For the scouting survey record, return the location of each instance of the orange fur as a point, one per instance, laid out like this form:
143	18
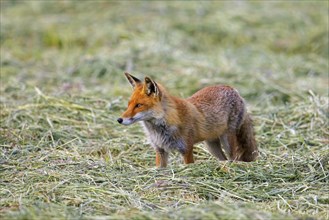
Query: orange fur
215	114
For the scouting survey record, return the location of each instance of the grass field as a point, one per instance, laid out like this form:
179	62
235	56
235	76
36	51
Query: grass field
64	156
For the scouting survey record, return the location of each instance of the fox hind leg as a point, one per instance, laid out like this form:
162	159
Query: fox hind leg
230	143
215	148
235	148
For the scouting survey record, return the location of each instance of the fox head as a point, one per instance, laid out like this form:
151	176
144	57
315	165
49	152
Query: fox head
144	103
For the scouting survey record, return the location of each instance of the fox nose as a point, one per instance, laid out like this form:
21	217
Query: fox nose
120	120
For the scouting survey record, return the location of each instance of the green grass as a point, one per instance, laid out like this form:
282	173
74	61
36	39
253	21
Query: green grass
64	156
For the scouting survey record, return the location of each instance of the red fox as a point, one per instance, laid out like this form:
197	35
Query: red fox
215	114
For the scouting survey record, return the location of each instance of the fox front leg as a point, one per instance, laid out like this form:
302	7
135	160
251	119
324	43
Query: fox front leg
161	158
188	156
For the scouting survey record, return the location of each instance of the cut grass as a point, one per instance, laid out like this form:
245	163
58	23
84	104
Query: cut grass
63	156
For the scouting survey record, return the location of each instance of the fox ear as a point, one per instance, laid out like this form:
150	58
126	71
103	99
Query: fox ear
151	87
132	80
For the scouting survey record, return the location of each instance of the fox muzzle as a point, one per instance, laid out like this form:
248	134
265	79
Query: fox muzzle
126	121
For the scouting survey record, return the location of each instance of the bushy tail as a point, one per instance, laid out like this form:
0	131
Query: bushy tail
247	143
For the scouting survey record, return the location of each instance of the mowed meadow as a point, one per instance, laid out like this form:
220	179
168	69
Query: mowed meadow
64	156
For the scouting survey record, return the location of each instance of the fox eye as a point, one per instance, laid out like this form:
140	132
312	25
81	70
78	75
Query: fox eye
138	105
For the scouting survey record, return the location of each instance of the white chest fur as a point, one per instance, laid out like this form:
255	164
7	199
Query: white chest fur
164	136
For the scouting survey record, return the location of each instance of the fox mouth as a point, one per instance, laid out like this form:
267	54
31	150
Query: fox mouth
126	121
140	116
129	121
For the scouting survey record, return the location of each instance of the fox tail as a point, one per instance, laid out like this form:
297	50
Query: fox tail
247	143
